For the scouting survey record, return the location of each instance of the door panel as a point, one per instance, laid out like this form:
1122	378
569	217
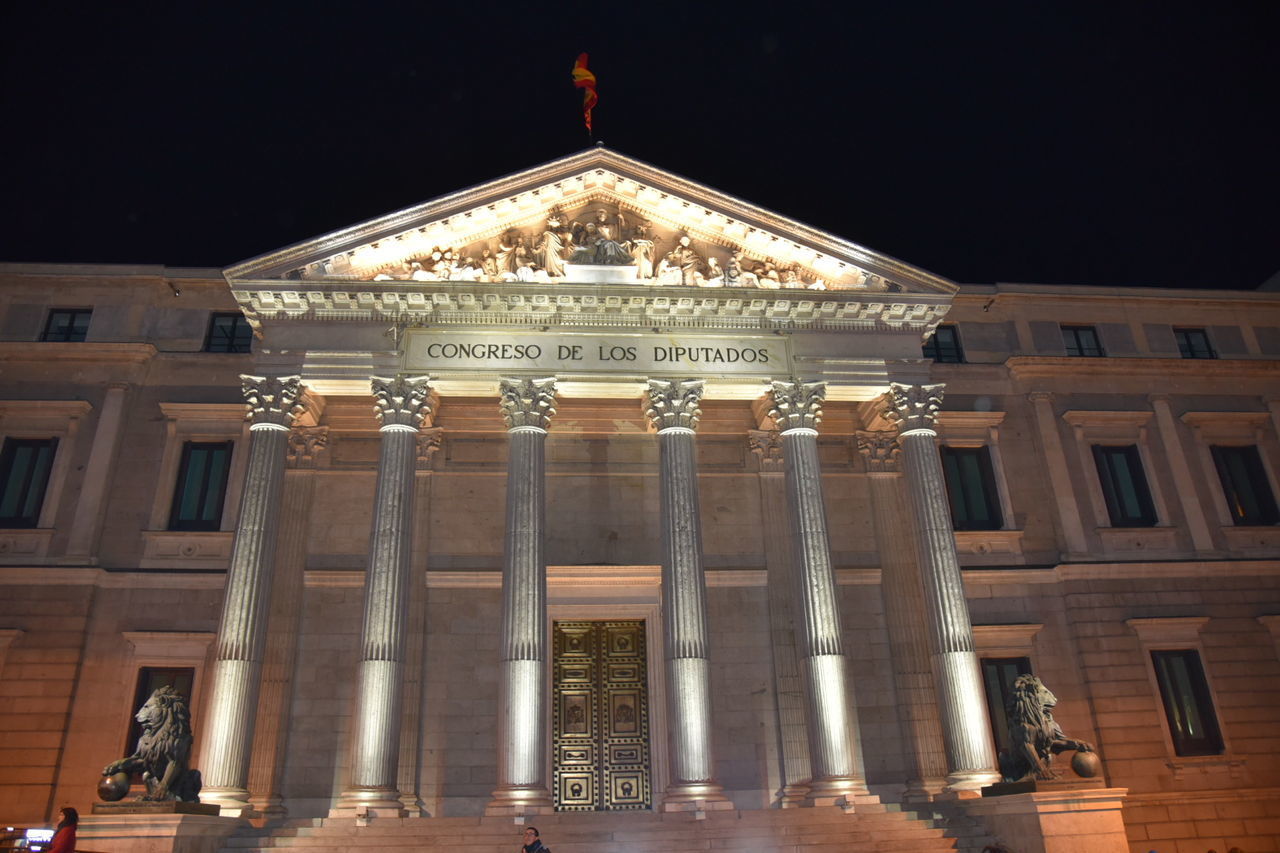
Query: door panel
600	717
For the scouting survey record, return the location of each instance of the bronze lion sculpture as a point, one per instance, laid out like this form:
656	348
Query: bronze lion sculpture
163	749
1036	736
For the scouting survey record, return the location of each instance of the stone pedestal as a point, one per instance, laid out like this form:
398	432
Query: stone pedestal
155	833
1063	821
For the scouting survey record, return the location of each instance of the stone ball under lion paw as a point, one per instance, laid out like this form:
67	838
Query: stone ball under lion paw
114	787
1086	764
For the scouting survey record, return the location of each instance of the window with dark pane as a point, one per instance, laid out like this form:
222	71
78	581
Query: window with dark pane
25	464
944	346
202	485
1082	341
998	675
67	325
1194	343
1188	705
229	333
1244	483
971	488
1124	486
151	679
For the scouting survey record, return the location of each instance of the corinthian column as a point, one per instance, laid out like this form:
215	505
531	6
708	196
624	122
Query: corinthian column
522	709
401	405
673	411
971	757
837	771
228	731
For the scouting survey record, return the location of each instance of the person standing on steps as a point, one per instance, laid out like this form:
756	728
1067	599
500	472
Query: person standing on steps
64	840
532	843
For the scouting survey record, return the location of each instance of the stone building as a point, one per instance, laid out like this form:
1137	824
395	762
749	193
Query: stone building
592	488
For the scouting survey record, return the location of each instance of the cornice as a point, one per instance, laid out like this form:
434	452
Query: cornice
1122	571
1067	367
1080	417
67	409
95	353
203	411
585	305
67	576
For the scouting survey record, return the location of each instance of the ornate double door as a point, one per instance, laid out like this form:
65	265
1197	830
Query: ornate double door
600	716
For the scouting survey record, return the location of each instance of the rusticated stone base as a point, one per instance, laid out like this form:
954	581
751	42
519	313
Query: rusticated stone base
139	807
155	832
1066	821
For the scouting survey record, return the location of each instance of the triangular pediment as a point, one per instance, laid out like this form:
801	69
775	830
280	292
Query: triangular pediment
594	216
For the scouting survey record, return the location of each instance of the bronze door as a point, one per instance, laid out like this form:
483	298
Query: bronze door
600	717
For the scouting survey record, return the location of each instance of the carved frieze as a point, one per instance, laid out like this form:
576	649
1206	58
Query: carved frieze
527	402
880	450
796	404
913	407
401	401
272	399
674	403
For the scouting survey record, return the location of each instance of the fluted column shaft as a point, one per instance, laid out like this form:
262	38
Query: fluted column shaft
971	759
673	411
522	711
375	754
833	753
228	731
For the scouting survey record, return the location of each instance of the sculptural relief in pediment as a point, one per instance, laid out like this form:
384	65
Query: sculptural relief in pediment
592	242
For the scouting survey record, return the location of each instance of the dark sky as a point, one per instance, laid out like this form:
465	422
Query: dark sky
1090	143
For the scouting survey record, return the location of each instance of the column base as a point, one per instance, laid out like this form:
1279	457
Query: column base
793	796
267	809
971	780
922	790
838	791
231	802
369	802
695	797
520	800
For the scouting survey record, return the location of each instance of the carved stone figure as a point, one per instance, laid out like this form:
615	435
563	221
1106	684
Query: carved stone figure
598	247
689	261
642	249
549	253
1035	734
163	750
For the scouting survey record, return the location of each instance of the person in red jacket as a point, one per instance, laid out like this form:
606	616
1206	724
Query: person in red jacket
64	840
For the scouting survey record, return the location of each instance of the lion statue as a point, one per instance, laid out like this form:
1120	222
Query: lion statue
163	749
1036	736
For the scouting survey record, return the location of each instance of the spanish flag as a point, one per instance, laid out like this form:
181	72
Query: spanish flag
586	81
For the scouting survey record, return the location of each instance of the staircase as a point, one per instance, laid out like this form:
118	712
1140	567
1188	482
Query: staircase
873	827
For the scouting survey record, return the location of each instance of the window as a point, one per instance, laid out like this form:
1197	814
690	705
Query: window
202	486
1082	341
1244	483
67	324
998	675
1193	343
151	679
25	464
228	333
1193	725
944	346
1124	486
971	488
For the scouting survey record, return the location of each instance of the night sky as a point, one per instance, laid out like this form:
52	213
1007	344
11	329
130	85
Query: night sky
1076	143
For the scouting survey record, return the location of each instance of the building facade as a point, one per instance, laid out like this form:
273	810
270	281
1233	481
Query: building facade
592	488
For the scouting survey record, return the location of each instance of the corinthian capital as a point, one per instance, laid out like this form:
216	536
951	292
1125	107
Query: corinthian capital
272	400
797	405
305	444
674	404
527	402
913	407
402	401
880	450
766	444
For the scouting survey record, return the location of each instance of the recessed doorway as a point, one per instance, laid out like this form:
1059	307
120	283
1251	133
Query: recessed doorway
600	716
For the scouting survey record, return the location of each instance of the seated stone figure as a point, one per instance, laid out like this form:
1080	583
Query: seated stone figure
1036	736
163	750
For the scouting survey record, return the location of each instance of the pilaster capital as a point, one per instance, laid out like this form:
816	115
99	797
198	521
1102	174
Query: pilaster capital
913	407
796	404
1040	397
766	444
429	441
272	400
880	449
527	402
401	400
674	404
305	444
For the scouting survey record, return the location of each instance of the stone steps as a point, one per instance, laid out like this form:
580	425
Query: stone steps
818	830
